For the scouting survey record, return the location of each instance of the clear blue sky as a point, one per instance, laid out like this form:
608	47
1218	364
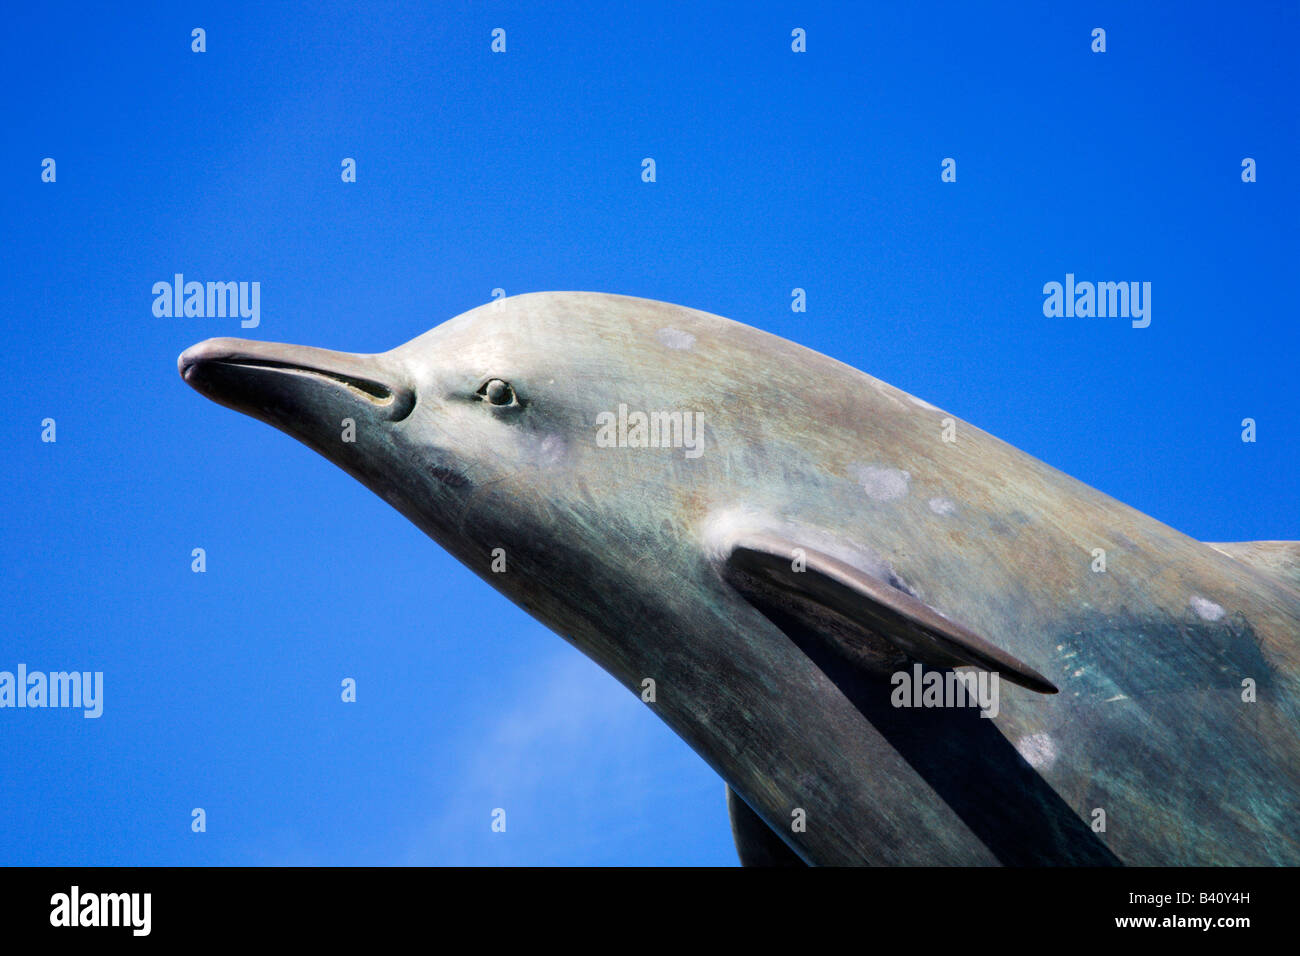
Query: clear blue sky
522	171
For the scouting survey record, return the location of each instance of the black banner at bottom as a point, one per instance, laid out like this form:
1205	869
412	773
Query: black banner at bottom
622	906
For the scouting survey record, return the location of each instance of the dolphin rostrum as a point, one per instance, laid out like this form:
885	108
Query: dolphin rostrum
808	563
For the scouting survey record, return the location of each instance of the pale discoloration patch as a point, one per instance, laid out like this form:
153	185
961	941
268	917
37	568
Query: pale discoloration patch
942	506
550	452
922	402
1206	609
675	338
883	484
1039	750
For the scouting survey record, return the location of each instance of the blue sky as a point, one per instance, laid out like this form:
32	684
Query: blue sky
522	170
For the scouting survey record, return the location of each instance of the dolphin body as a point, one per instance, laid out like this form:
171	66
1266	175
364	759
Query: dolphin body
813	537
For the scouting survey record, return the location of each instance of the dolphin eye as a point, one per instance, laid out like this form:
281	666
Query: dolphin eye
497	392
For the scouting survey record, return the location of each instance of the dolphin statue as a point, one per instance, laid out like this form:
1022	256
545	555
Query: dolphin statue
801	561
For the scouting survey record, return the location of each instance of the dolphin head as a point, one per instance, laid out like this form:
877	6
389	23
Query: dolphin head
485	432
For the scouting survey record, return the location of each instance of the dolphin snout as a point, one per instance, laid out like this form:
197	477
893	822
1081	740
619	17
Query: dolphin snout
247	375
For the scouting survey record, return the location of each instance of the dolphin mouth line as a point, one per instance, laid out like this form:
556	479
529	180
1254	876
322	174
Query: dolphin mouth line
375	392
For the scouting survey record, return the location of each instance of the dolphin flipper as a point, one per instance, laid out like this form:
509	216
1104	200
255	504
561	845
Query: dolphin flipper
806	581
756	843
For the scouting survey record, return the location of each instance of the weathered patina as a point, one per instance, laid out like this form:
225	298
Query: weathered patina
661	564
